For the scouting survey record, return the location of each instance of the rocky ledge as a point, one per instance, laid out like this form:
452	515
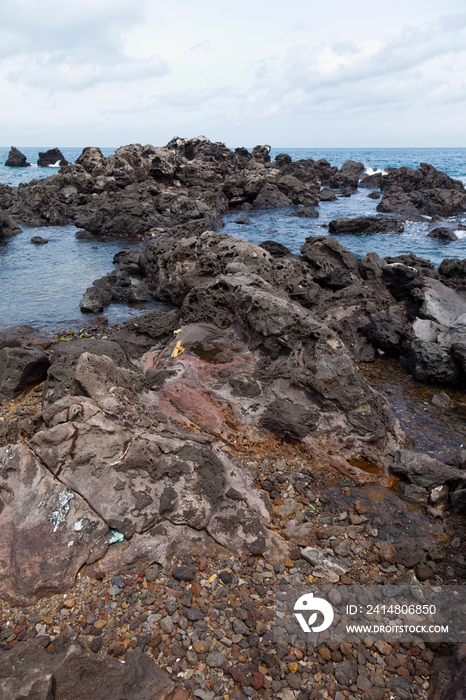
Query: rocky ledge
168	479
189	183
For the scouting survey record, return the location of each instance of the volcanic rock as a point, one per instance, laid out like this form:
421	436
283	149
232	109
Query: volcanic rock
16	159
365	224
51	157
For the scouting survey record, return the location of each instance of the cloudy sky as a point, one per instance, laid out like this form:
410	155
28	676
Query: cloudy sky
295	73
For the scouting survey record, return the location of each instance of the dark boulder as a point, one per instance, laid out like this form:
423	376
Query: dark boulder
443	233
129	260
29	671
388	331
287	419
348	175
452	272
270	197
283	159
38	240
426	177
21	368
60	376
432	202
365	224
305	213
334	278
244	220
429	362
373	181
323	252
16	159
7	225
327	195
147	331
94	300
276	250
424	471
261	154
51	157
374	195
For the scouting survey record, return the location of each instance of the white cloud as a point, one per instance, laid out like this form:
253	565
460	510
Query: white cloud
294	73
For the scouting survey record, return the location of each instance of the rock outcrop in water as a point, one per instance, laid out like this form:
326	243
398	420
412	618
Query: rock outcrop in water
7	225
190	183
51	157
16	159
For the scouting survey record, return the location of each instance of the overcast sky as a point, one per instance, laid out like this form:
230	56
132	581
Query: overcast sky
289	73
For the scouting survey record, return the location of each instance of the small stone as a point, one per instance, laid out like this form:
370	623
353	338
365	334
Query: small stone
152	574
96	645
225	577
204	694
166	623
346	672
215	659
69	603
181	694
113	590
293	667
384	648
184	573
423	572
240	627
193	614
456	542
118	581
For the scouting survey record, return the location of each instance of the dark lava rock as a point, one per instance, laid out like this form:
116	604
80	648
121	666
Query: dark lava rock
324	252
60	377
225	577
387	330
261	153
287	419
21	369
283	159
276	250
452	272
365	224
348	175
443	233
51	157
38	240
7	225
374	195
245	220
184	573
305	213
270	197
327	195
422	470
429	362
94	300
335	278
29	671
346	672
242	386
16	159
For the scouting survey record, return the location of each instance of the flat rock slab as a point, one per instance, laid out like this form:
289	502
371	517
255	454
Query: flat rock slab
441	304
47	530
422	470
28	671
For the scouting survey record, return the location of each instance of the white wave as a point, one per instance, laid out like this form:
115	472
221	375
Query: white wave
460	234
371	171
55	165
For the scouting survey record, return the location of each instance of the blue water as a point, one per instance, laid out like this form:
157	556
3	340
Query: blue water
43	285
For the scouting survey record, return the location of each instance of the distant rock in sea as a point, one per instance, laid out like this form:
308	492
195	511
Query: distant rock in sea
52	157
16	159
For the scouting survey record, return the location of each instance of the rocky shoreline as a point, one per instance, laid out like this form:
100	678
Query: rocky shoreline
160	483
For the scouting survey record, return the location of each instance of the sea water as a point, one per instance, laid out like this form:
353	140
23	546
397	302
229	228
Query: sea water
43	285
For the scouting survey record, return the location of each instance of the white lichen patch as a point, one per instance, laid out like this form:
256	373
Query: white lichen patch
63	508
78	525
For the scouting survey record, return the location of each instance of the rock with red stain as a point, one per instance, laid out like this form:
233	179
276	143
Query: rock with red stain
48	530
257	680
241	674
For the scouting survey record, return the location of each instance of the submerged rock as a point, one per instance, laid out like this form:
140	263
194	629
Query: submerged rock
7	225
365	224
